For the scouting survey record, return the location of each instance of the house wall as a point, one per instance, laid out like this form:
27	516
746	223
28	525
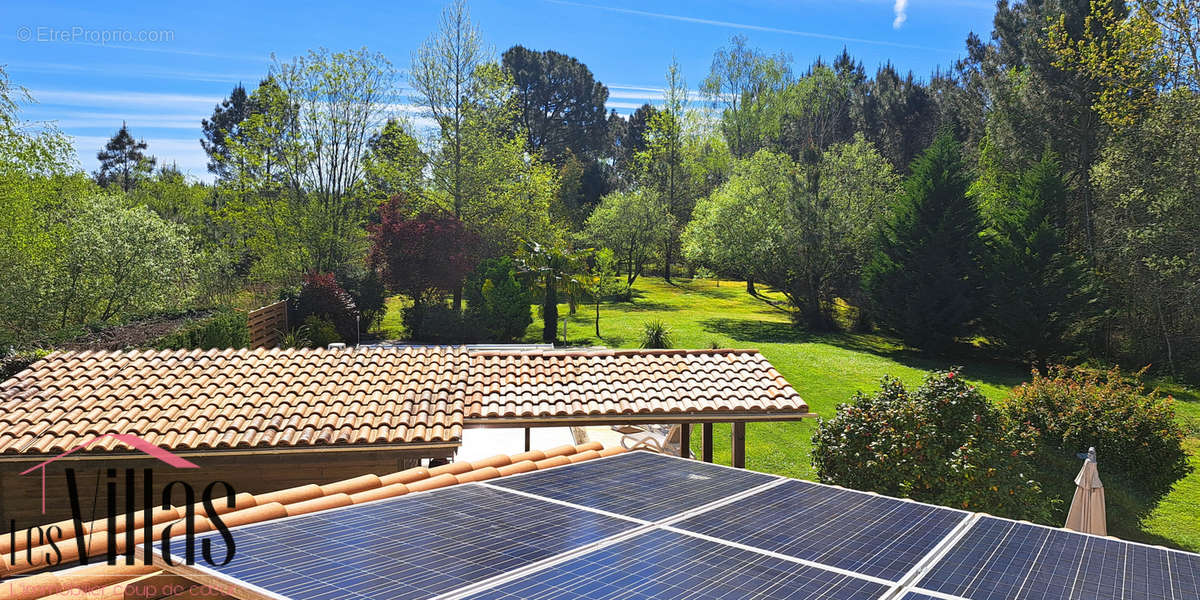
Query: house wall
21	495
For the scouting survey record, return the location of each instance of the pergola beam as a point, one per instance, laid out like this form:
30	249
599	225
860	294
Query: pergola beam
633	419
739	445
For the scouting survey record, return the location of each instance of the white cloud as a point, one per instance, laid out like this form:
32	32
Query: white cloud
901	10
121	99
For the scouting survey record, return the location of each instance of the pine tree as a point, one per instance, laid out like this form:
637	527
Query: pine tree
924	280
123	161
1040	289
224	125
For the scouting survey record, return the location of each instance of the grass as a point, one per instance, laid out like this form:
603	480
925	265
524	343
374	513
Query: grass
827	370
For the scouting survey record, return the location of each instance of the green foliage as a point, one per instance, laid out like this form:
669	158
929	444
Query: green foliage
368	293
498	300
440	324
633	225
321	332
656	335
602	280
1134	432
943	443
322	297
227	329
804	229
553	271
1041	291
924	280
1148	181
393	163
297	337
123	161
15	361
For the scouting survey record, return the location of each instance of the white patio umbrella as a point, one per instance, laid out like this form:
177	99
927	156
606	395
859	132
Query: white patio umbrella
1087	507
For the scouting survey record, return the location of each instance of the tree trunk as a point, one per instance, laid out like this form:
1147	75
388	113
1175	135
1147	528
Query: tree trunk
597	317
458	295
750	287
550	314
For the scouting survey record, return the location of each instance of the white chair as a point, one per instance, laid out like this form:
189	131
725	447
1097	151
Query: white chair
660	439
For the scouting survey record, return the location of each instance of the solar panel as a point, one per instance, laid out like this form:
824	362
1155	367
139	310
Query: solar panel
409	547
638	484
918	596
664	564
998	559
865	533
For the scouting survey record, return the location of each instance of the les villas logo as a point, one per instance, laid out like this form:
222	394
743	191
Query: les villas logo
46	540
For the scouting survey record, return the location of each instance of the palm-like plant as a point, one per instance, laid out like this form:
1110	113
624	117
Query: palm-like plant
553	271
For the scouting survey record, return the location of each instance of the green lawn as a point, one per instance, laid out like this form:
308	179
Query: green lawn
827	370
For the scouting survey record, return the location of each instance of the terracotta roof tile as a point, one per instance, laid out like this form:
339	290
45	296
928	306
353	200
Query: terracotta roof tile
219	400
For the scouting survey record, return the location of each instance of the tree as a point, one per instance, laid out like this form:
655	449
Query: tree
341	98
394	162
120	259
1040	287
560	105
498	300
739	76
602	280
553	270
630	138
226	118
123	161
804	229
1148	180
421	256
664	165
446	77
896	114
924	279
1026	102
632	224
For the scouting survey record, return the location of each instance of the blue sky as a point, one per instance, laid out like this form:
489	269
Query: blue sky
179	59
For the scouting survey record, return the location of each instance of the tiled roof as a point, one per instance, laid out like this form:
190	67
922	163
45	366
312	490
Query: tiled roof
204	400
191	400
108	581
625	382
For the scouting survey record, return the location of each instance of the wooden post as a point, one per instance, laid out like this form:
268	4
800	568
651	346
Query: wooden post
739	445
527	439
685	440
708	442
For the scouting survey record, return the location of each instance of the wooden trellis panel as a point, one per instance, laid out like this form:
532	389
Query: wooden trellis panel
267	325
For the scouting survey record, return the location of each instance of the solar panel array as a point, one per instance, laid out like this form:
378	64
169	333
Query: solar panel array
643	526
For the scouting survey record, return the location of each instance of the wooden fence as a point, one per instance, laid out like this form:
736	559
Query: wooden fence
267	325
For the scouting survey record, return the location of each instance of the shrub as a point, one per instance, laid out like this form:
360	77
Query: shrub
498	301
321	296
1134	432
367	291
321	332
943	443
228	329
16	361
296	338
655	334
439	324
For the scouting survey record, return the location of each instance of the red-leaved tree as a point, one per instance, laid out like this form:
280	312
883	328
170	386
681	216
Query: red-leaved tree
423	257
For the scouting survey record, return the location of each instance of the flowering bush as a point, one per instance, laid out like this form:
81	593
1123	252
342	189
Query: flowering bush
1134	432
942	443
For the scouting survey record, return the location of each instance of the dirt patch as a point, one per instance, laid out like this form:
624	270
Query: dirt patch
133	335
